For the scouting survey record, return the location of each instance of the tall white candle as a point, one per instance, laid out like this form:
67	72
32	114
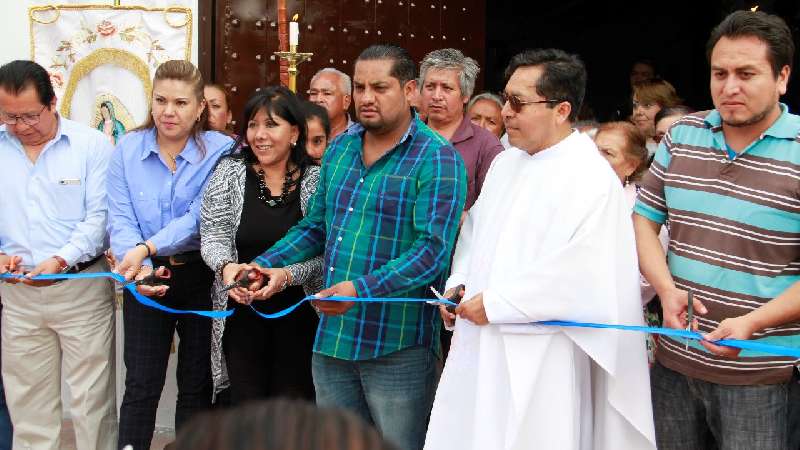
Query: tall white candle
294	33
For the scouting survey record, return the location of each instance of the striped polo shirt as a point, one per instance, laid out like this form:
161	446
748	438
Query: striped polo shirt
734	228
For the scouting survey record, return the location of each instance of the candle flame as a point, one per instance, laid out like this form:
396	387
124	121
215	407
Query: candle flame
754	8
295	17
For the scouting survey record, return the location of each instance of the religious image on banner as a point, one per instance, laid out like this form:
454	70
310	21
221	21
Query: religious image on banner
102	58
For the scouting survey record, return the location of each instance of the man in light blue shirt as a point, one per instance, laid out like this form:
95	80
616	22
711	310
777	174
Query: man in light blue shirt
53	215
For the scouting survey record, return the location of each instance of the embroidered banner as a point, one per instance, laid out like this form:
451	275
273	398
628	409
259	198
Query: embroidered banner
102	58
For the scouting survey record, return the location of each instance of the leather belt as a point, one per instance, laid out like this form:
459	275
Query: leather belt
80	267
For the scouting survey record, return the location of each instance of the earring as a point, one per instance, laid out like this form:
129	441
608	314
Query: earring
294	144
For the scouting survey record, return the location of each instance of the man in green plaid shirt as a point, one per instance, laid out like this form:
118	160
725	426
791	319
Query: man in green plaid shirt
385	215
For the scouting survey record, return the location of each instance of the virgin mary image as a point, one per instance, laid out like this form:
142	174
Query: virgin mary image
109	124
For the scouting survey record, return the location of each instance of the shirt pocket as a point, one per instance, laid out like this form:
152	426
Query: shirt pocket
397	197
69	199
148	214
186	194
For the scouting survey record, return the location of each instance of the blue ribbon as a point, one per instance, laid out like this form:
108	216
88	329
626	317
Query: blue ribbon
131	287
685	334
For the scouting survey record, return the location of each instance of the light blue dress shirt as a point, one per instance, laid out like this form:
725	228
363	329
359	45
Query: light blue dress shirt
146	201
56	206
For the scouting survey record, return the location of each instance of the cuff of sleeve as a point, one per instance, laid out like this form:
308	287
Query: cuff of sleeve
500	311
70	253
264	262
362	288
649	213
162	247
294	270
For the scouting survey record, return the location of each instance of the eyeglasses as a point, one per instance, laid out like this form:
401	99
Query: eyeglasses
27	118
517	103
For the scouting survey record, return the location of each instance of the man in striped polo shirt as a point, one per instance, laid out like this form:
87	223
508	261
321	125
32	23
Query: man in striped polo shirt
726	183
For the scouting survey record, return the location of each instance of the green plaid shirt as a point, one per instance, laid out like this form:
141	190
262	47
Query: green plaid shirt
389	228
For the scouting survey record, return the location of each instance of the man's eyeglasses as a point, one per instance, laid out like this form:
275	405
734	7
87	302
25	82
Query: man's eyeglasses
517	103
28	118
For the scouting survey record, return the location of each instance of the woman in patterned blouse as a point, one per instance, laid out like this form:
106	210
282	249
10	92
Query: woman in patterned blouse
253	198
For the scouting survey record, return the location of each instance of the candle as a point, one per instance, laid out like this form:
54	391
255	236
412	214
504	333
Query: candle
294	31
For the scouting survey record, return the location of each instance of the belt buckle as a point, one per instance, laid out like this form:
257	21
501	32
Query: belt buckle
175	262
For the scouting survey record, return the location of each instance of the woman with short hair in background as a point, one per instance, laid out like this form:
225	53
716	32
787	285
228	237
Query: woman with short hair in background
220	115
650	97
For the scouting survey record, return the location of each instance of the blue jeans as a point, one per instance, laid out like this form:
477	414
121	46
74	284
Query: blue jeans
692	414
794	413
394	392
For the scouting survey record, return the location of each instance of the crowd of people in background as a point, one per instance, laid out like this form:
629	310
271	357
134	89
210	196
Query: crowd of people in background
361	189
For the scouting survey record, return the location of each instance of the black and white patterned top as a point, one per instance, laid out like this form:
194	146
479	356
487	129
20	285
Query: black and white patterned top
219	221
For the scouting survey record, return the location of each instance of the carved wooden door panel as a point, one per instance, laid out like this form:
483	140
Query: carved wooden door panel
245	36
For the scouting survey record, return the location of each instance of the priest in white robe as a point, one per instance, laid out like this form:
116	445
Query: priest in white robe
550	238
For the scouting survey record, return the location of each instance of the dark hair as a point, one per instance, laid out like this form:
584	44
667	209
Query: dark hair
20	74
181	70
635	148
768	28
563	76
279	425
679	110
315	111
647	62
404	68
283	103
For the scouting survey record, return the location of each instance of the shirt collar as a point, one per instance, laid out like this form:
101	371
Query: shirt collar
786	127
464	131
356	130
190	152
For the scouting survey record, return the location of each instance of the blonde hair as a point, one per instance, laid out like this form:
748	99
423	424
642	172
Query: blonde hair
181	70
656	90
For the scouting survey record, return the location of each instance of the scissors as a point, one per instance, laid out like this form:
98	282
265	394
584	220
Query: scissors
455	297
157	277
690	314
244	281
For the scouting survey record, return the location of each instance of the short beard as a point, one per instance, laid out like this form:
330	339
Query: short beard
373	126
747	122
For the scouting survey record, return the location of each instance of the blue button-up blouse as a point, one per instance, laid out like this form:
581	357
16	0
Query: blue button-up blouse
146	201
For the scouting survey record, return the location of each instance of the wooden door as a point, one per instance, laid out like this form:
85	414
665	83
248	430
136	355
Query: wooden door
243	35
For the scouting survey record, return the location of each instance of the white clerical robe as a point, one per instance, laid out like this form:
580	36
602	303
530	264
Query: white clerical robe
550	238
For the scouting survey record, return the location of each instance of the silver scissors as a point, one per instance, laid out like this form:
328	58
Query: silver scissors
449	302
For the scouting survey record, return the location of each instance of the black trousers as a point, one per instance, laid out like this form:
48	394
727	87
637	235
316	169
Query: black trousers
270	358
148	339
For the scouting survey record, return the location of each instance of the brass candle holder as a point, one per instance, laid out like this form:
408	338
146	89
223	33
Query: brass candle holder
294	59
